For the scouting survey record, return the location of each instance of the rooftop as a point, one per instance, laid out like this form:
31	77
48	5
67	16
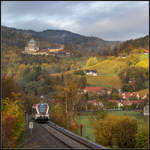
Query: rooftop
31	41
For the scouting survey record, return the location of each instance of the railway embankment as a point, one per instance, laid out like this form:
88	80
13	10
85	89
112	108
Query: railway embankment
50	135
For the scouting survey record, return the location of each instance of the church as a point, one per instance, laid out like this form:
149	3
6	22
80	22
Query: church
31	47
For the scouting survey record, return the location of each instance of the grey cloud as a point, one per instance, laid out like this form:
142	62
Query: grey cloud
108	20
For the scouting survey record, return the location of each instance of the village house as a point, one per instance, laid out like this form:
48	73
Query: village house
56	50
126	102
146	51
146	110
98	90
123	56
123	103
109	91
119	104
127	95
96	103
130	102
144	96
91	72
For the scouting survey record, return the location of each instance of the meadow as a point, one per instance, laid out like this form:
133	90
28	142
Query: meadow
107	81
88	130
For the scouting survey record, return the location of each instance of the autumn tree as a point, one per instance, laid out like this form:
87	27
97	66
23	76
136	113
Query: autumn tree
91	61
68	97
142	137
116	131
124	133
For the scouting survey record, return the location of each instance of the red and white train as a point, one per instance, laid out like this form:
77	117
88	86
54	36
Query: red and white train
40	112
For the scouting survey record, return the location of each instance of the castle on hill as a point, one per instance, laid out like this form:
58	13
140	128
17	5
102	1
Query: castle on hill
33	49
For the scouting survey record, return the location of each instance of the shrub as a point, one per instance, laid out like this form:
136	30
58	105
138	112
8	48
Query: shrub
142	137
116	131
124	134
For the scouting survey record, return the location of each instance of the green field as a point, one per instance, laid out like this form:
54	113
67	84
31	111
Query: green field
143	56
111	81
88	131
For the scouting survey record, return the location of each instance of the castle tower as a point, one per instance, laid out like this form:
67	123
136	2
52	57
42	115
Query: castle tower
32	47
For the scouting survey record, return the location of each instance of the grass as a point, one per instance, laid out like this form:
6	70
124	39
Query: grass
88	130
112	81
143	63
143	56
108	67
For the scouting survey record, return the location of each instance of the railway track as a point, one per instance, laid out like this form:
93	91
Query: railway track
70	139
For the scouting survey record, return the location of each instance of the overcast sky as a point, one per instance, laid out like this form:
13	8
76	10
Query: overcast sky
108	20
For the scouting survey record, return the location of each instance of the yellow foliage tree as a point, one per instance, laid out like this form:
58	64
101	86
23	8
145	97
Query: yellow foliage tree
118	132
91	61
13	123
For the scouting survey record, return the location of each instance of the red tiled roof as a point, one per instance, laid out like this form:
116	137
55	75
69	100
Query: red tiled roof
94	89
146	51
128	94
92	101
135	101
126	102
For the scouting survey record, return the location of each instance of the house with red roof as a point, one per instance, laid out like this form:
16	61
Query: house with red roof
95	103
98	90
119	104
146	110
144	96
146	51
130	102
135	102
109	91
127	95
126	102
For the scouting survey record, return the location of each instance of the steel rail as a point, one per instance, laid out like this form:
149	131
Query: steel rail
56	137
84	143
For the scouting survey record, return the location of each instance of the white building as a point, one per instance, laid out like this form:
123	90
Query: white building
31	47
90	72
146	110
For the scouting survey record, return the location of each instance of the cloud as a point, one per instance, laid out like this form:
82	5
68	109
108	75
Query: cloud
108	20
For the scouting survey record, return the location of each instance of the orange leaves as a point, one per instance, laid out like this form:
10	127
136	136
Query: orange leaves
8	123
12	123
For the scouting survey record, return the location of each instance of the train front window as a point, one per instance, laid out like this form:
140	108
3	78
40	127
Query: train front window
42	108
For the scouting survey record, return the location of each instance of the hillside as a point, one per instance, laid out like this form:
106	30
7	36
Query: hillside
108	70
130	45
19	38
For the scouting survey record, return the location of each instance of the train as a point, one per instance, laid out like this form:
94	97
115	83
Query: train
40	112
